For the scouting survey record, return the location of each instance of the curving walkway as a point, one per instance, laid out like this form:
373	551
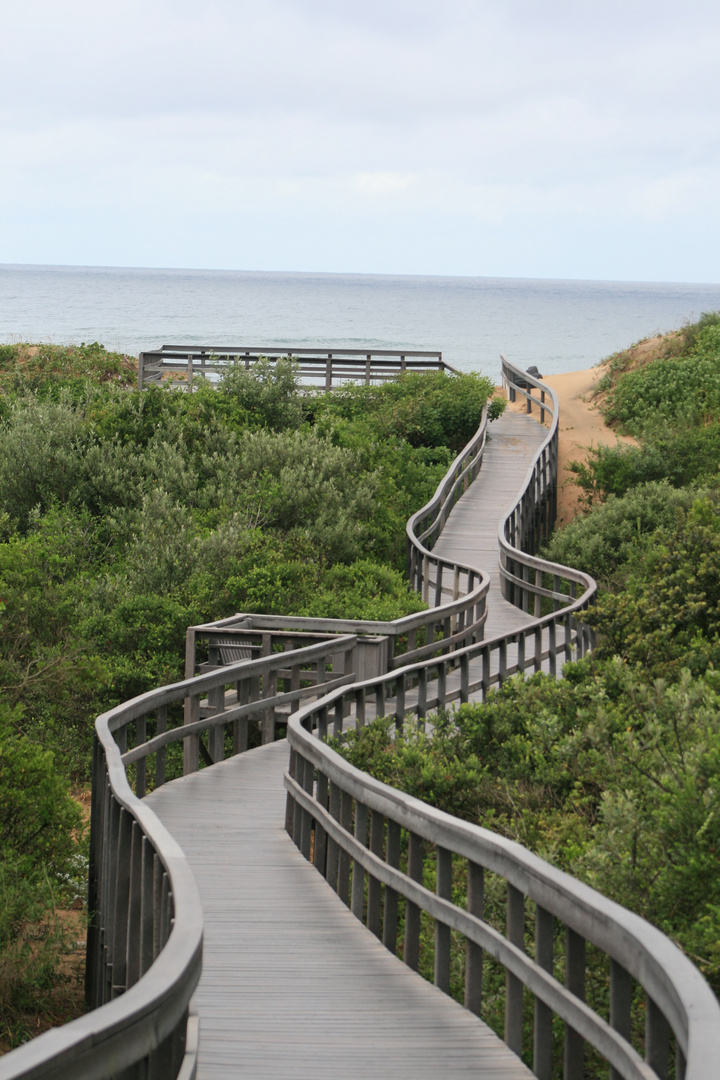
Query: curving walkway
471	533
293	985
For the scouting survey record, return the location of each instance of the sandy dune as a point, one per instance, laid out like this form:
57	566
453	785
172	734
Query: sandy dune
581	426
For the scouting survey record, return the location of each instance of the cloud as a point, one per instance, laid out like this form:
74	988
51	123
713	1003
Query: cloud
472	112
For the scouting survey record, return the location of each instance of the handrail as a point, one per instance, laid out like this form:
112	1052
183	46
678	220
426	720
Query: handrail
144	947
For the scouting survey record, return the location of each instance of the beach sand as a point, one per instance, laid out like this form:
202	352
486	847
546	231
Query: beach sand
581	426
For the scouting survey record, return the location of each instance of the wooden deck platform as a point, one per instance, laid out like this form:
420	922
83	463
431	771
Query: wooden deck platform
293	985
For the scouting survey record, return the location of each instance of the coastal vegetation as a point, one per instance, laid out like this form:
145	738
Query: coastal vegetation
127	516
613	772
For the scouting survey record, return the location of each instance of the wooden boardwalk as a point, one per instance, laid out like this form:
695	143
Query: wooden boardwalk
470	534
293	985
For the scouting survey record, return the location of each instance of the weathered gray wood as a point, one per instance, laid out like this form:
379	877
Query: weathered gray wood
281	954
542	1032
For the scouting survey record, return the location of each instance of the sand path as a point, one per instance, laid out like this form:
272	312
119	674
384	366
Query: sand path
581	426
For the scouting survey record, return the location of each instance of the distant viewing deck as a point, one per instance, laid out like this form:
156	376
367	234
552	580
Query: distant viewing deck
265	914
322	368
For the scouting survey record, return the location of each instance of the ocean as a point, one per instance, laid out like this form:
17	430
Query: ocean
557	325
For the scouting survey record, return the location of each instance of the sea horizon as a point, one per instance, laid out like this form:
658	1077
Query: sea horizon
557	324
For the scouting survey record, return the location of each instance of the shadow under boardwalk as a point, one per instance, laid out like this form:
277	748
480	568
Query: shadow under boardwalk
293	986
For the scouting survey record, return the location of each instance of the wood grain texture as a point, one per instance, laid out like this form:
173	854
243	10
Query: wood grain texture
292	984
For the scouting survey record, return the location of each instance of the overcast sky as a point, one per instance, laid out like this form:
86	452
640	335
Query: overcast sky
524	139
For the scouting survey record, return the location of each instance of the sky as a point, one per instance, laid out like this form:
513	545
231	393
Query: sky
518	138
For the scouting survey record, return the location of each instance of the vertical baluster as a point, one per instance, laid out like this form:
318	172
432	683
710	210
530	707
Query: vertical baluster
377	838
332	845
322	723
161	726
502	662
141	765
307	818
438	583
297	808
358	875
380	699
344	858
464	677
552	658
289	801
416	857
620	1004
360	707
216	735
574	1048
521	652
442	932
515	919
568	636
485	672
399	703
542	1031
157	905
657	1039
191	746
132	944
147	906
339	714
422	693
121	855
441	683
320	834
240	726
473	952
390	918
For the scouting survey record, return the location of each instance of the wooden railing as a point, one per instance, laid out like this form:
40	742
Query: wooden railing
372	842
145	937
319	367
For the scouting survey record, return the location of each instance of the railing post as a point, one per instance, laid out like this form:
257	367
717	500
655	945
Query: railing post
574	1048
442	932
542	1032
657	1039
513	986
473	952
374	910
357	902
191	743
416	857
390	915
620	1004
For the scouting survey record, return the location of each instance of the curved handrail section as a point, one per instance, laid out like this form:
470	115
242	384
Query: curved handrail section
372	843
144	943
